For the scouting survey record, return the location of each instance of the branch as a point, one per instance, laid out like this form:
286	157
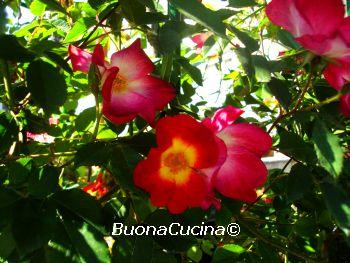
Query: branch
7	82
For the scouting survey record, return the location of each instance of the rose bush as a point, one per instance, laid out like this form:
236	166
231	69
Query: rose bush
201	113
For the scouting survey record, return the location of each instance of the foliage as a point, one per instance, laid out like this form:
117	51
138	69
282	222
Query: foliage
45	216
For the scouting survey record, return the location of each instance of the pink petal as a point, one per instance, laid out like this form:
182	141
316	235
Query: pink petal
247	136
240	175
200	39
132	62
223	118
307	17
337	75
80	59
98	56
142	97
345	105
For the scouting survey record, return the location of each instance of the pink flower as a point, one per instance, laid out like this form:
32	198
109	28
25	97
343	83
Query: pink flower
128	89
239	170
200	39
42	137
318	25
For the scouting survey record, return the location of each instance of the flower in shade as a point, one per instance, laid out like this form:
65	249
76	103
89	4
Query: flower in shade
318	25
128	89
200	39
241	170
97	188
172	172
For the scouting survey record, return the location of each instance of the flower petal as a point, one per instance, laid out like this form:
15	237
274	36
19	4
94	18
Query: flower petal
80	59
223	118
248	136
187	129
337	75
240	175
132	62
345	105
307	17
98	56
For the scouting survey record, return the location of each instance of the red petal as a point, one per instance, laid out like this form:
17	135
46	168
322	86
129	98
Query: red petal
132	62
240	175
345	105
98	56
80	59
248	136
187	129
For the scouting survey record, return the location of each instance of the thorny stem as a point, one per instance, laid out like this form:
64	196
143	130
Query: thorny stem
7	82
295	108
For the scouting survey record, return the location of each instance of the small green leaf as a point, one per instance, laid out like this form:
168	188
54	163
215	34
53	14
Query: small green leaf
94	153
79	29
37	7
131	249
199	13
54	5
7	197
85	119
47	85
227	253
262	68
250	43
299	182
44	182
328	149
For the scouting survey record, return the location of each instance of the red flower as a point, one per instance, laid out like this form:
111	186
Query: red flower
97	188
128	89
242	171
345	105
193	159
172	172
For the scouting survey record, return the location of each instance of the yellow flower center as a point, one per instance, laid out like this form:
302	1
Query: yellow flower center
177	162
119	84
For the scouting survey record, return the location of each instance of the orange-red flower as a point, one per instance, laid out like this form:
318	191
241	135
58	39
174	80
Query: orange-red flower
97	188
172	172
194	159
128	89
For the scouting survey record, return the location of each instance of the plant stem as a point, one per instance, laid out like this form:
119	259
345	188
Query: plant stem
7	82
322	103
98	117
58	154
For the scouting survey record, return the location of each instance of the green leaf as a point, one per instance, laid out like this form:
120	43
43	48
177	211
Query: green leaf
79	28
245	58
7	197
7	243
123	164
37	7
328	149
250	43
338	204
279	89
227	252
299	182
199	13
19	170
171	34
12	50
82	205
242	3
8	131
44	182
32	225
262	68
88	243
85	119
293	145
191	70
47	85
94	153
59	61
54	5
141	143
